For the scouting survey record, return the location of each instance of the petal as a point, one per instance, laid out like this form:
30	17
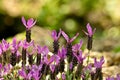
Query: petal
24	22
59	33
80	44
72	39
102	60
54	34
33	23
89	29
65	36
30	22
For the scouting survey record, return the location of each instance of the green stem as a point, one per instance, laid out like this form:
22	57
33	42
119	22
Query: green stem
88	57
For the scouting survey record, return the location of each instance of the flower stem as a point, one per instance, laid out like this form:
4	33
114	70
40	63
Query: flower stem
88	57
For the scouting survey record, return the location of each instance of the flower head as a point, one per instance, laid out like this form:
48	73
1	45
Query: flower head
79	57
29	23
89	32
0	49
52	68
25	44
110	78
77	47
22	73
62	53
98	64
71	65
5	45
67	38
15	45
118	77
63	76
56	36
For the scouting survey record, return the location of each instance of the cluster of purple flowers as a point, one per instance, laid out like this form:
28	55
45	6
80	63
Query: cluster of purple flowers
37	63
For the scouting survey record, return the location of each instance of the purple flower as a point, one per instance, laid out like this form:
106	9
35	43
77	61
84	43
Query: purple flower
62	53
52	68
1	66
0	49
63	76
15	45
110	78
45	51
98	64
71	65
77	47
7	69
118	77
48	61
5	45
56	36
35	72
22	73
28	24
67	38
79	57
89	32
25	44
42	49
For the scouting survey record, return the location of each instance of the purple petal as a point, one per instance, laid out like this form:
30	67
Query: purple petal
54	35
118	77
52	68
102	60
0	66
71	65
24	22
63	76
22	73
89	29
80	44
59	33
30	23
65	36
72	39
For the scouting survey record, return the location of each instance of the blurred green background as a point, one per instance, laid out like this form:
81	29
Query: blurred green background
69	15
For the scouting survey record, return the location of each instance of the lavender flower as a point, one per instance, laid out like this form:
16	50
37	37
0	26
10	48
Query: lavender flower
23	74
69	45
15	45
1	49
76	47
67	38
56	36
63	76
25	44
71	65
52	68
5	45
28	24
110	78
39	51
7	68
49	61
89	32
118	77
98	64
79	57
62	53
1	66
